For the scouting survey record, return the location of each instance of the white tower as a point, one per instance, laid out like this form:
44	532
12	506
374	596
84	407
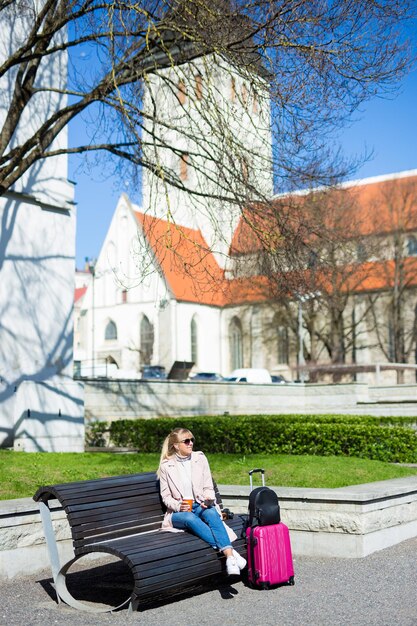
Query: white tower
207	140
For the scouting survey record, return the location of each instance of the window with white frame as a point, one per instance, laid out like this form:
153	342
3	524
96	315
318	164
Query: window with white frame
194	340
236	343
110	333
146	341
412	245
282	344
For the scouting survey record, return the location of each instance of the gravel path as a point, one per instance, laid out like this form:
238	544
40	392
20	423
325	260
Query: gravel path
378	590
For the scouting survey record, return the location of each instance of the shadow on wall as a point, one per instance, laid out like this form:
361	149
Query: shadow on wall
36	300
113	399
129	398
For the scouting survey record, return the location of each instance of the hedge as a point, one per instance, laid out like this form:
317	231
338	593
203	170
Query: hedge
319	435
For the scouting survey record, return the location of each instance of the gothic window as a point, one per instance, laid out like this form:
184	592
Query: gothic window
412	245
146	341
282	344
194	341
236	343
110	334
124	296
281	339
184	166
391	339
198	86
361	252
313	259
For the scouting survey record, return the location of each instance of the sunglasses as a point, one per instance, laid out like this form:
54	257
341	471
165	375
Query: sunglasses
188	441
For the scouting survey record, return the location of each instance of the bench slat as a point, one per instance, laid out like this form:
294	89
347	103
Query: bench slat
101	517
102	494
149	587
115	501
116	533
88	528
107	519
74	488
96	483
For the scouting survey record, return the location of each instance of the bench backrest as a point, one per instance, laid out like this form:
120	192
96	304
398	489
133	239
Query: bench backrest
108	508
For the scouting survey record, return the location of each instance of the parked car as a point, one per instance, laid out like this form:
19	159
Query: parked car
153	372
250	375
206	376
276	378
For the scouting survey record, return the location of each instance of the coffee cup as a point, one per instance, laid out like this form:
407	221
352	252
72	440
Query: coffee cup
189	503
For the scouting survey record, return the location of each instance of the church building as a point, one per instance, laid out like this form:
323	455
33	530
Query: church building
177	277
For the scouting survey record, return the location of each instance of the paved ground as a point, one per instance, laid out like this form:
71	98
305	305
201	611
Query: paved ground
378	590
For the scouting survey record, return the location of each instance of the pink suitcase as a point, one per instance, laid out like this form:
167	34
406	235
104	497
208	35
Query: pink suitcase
269	556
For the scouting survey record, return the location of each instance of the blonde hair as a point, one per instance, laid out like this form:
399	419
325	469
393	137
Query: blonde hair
168	447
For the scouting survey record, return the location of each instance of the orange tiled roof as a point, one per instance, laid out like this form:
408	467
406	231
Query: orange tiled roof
191	270
187	263
373	207
193	274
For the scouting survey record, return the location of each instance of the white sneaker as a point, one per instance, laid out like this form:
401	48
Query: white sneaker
241	562
232	566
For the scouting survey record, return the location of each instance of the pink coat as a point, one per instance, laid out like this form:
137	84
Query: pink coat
171	487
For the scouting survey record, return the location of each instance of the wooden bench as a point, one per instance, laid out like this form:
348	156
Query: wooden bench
122	516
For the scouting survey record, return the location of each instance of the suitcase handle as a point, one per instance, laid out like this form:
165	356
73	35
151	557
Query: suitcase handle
256	470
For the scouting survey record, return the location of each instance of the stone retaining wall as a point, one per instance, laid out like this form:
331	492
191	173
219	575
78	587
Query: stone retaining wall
110	400
346	522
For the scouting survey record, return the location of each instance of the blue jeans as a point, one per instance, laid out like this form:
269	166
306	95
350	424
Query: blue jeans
205	523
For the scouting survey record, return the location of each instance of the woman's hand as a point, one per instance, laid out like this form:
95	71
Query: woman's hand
186	505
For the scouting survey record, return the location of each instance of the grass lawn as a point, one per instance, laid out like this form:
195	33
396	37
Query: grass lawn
22	473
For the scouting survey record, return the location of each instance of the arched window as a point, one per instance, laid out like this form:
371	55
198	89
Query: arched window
282	345
146	341
412	245
110	334
391	338
194	341
236	343
361	253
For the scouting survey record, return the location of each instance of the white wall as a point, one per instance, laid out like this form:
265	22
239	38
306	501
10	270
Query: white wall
125	263
37	250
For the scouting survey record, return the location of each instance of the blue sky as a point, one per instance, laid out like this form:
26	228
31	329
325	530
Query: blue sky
386	126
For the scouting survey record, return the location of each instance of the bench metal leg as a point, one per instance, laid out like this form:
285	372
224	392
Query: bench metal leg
62	591
59	572
50	542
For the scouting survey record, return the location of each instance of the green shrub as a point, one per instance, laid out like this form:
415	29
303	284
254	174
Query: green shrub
318	435
95	434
